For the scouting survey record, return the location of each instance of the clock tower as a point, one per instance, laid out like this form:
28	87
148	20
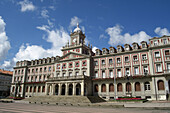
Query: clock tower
77	43
77	37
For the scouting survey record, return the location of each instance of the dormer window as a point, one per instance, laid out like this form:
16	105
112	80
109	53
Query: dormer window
111	50
118	49
143	45
127	48
165	41
104	51
155	42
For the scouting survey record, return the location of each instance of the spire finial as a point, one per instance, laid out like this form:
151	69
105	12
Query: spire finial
77	24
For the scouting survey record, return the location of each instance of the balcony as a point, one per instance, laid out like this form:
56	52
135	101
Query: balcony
79	77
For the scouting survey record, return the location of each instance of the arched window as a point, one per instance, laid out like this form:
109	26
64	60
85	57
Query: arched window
160	84
96	88
30	88
103	88
111	87
20	88
43	89
39	88
35	88
137	86
119	87
128	86
147	86
27	89
13	89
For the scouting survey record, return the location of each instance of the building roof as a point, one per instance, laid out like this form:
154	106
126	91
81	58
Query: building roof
6	72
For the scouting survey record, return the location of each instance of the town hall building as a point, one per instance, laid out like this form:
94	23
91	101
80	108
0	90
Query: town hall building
141	70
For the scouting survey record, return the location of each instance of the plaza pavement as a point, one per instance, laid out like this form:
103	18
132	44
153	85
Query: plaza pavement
38	108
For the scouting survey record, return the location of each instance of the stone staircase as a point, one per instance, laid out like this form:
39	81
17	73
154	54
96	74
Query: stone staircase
64	99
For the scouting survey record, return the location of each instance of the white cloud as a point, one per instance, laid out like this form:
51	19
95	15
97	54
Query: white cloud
26	5
117	38
161	32
4	43
94	49
74	22
102	36
44	13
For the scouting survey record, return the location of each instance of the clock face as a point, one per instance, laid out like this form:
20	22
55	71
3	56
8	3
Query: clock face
74	40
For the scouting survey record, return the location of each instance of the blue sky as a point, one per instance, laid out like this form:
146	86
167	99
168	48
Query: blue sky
32	29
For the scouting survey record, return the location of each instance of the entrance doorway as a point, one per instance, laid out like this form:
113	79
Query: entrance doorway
63	89
78	89
70	89
56	89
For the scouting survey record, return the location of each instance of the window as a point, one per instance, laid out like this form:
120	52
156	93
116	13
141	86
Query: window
136	70
157	54
135	58
77	64
143	45
147	86
103	88
118	60
160	84
64	65
96	88
36	70
70	73
28	70
96	74
84	63
45	69
40	69
111	50
104	51
64	74
103	74
43	89
70	65
111	87
110	61
127	72
95	63
118	72
77	73
137	86
126	59
144	57
128	86
118	49
39	88
49	69
145	70
165	41
119	87
168	67
135	46
110	73
158	68
167	52
84	73
103	62
155	42
126	48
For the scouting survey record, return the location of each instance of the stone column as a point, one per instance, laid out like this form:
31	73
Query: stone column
59	89
53	89
46	89
74	89
82	88
107	91
66	90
